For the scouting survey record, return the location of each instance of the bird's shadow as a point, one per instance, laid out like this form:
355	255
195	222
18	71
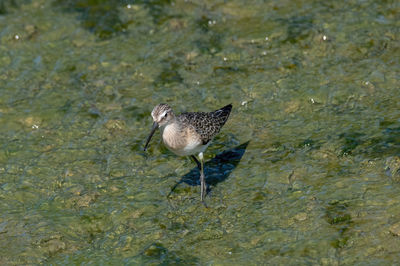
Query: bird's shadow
216	170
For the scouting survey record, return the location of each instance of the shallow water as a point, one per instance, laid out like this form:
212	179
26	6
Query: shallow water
306	170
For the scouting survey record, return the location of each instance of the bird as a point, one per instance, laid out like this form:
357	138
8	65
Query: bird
189	133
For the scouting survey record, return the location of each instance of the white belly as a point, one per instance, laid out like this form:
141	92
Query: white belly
192	148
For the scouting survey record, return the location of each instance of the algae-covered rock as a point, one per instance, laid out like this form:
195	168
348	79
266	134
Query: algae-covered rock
81	201
52	244
300	216
395	229
392	168
55	245
115	124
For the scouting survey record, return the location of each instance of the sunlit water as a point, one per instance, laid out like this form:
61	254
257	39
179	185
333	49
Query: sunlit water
306	170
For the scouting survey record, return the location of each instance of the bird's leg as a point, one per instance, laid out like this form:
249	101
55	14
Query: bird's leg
196	161
202	177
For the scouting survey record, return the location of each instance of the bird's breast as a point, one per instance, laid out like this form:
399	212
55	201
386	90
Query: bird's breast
181	141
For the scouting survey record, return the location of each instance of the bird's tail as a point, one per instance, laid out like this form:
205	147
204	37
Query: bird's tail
223	113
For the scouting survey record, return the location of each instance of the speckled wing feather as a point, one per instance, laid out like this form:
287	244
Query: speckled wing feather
207	125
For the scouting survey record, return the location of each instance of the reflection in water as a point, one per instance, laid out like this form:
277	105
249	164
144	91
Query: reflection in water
217	169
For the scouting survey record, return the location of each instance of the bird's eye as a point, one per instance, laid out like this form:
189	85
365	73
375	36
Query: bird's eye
166	114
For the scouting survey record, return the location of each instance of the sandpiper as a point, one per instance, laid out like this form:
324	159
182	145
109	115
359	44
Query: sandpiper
188	133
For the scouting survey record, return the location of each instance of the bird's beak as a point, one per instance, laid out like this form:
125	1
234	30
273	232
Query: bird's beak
153	129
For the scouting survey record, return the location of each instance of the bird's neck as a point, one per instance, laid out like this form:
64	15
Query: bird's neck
171	121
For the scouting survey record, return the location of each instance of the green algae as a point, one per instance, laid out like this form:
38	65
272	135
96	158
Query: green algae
314	87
